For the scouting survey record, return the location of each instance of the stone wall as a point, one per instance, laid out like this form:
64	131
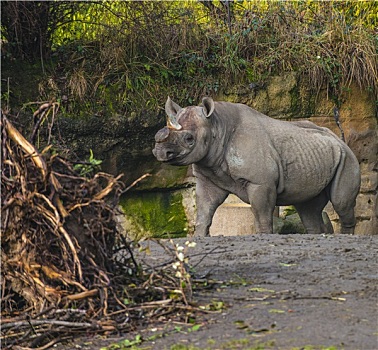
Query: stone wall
284	97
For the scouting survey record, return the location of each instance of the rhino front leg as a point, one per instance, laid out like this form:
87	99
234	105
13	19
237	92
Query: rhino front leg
208	198
263	201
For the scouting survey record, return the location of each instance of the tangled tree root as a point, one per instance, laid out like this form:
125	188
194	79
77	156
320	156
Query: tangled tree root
59	235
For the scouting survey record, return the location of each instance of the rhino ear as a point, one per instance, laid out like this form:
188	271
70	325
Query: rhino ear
208	105
171	108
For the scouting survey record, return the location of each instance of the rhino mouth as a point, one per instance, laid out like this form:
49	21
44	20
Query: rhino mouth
169	156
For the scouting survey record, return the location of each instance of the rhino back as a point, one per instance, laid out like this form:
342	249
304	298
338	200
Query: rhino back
309	159
301	159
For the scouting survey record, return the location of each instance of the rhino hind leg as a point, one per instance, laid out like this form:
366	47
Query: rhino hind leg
344	190
344	207
310	213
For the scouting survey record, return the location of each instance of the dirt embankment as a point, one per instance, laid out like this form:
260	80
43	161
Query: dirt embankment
287	291
279	292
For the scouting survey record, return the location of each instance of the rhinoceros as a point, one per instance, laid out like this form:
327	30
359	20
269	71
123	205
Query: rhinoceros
264	161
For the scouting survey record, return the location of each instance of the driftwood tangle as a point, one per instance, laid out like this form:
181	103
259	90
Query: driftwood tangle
59	236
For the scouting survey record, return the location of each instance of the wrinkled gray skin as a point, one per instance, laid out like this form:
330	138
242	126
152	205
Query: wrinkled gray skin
265	162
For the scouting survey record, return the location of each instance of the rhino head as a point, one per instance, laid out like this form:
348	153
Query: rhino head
186	137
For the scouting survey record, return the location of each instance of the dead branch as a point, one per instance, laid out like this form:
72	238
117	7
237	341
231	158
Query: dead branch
27	147
135	182
49	322
60	250
86	294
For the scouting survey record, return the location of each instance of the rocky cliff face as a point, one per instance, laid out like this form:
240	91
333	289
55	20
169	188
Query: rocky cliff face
163	203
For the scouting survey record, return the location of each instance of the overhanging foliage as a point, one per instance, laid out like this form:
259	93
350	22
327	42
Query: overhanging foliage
124	57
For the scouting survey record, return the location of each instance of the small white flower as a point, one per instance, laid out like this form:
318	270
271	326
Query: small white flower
318	57
178	274
192	244
181	256
180	248
176	265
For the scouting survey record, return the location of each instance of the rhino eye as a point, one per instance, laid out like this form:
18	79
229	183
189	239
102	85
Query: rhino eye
189	139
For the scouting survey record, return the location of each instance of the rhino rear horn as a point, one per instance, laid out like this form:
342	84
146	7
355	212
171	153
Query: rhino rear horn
208	104
172	109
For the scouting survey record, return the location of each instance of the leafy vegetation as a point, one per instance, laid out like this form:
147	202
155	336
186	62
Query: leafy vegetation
125	57
89	167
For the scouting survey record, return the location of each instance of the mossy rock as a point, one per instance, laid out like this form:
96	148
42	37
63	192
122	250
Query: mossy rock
293	224
155	214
